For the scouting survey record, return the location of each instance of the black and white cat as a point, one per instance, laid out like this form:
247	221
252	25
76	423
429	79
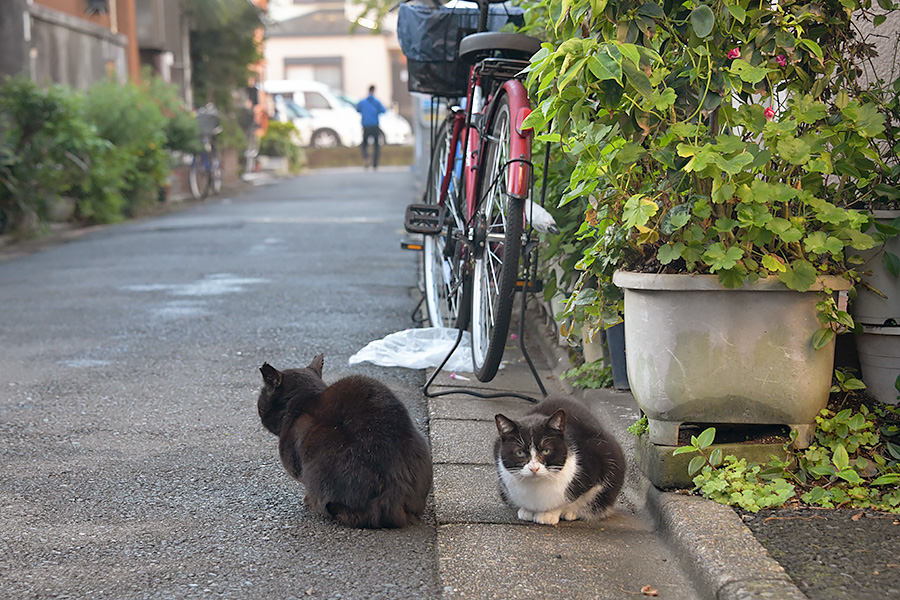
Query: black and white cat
556	463
352	444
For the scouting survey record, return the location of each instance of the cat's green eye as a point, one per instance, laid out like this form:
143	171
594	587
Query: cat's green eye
545	451
520	453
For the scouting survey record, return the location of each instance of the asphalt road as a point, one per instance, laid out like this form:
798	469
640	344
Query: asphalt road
132	460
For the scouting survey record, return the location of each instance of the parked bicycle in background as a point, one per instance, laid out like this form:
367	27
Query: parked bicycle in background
206	168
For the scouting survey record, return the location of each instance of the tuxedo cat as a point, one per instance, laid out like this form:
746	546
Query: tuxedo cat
556	463
352	444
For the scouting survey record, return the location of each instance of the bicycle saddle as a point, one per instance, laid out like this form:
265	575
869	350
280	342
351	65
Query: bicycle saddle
476	46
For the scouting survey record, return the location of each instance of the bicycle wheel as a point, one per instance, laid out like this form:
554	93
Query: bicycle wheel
499	224
215	173
443	252
199	176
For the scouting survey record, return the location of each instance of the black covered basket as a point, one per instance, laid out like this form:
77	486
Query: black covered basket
429	37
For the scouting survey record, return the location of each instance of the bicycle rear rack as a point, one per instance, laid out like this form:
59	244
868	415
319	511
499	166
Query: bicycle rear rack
500	68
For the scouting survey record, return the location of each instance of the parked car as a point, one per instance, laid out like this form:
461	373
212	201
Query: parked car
335	121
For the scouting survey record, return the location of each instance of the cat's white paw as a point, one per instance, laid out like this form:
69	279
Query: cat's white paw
569	515
526	515
547	518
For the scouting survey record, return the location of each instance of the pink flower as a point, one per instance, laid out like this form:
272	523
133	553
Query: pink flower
734	53
781	60
770	113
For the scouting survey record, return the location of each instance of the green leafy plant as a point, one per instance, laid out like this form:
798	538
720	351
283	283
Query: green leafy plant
224	44
852	462
48	150
182	133
281	139
639	427
725	137
591	375
127	116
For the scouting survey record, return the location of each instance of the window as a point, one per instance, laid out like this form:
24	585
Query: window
324	69
316	100
96	7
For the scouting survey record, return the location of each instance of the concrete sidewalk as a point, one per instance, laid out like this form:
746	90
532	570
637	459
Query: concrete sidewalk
683	547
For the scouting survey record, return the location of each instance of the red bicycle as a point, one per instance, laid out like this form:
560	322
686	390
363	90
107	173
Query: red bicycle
479	184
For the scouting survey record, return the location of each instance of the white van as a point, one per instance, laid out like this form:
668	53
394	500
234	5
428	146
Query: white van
336	122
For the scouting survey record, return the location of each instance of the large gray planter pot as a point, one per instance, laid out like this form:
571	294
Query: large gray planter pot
878	349
878	345
701	353
870	308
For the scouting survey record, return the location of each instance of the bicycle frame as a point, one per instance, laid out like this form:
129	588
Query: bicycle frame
518	180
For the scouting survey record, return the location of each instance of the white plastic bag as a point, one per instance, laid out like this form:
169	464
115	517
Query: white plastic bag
418	349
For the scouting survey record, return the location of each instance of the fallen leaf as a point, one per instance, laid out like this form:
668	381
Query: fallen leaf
649	591
856	517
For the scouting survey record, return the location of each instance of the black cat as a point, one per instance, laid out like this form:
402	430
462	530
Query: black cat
556	463
352	444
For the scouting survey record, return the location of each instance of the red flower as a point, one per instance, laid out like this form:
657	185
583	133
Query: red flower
769	112
734	53
781	60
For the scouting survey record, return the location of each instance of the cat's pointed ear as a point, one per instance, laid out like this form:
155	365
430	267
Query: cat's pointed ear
557	421
505	425
271	376
317	364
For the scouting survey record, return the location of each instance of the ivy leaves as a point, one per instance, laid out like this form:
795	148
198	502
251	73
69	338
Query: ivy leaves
702	21
714	138
849	463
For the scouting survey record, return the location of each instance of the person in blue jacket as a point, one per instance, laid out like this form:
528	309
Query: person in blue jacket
369	107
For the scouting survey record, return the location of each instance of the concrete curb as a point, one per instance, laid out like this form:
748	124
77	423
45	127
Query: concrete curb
715	547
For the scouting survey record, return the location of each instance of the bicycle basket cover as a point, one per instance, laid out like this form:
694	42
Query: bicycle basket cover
430	39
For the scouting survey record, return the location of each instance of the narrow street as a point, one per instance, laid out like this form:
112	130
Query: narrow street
132	460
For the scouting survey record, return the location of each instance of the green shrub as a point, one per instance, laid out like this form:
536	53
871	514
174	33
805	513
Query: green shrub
48	150
181	129
281	140
128	116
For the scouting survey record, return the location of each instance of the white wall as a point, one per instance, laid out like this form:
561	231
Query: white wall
365	60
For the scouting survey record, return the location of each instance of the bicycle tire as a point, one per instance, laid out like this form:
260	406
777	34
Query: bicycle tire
500	222
446	297
215	173
199	177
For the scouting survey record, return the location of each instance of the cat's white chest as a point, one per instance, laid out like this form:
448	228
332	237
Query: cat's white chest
539	493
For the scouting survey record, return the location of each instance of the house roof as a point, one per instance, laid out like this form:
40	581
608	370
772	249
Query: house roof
316	23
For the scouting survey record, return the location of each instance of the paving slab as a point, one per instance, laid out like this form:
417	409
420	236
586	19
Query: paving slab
462	442
460	406
610	560
469	494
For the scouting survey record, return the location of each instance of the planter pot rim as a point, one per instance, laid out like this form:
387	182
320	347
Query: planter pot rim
886	214
694	282
883	330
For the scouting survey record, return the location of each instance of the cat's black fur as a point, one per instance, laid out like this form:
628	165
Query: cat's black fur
352	444
556	462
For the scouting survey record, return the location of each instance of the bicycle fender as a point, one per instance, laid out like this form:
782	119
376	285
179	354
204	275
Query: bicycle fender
518	182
